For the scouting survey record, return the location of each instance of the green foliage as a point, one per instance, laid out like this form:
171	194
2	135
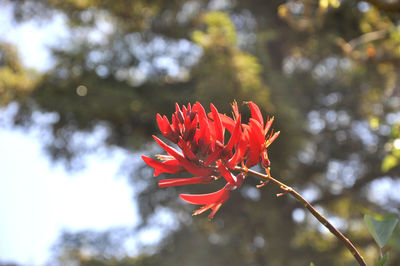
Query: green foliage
389	162
392	159
381	228
15	81
394	241
234	73
382	260
220	31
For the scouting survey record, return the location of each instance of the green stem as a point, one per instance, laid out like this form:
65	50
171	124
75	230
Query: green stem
310	208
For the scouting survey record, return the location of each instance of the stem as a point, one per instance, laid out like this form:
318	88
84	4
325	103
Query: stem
310	208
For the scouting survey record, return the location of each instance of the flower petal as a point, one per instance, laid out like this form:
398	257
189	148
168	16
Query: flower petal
162	124
272	138
219	196
170	166
236	134
203	134
185	181
212	157
214	208
253	153
226	173
189	166
239	154
235	110
203	209
257	131
227	122
256	113
268	125
186	150
219	130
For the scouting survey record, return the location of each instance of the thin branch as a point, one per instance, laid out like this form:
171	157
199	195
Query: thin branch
368	37
310	208
349	48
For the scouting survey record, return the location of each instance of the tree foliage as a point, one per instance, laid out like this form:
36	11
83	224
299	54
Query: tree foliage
328	71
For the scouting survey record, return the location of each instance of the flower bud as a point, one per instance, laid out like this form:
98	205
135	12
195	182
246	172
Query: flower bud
265	161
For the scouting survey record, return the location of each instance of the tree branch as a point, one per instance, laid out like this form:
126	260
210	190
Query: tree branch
310	208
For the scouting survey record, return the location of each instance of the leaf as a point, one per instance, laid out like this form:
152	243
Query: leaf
389	162
382	228
382	260
394	241
312	264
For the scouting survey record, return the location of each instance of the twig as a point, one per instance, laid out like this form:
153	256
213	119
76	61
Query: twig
368	37
310	208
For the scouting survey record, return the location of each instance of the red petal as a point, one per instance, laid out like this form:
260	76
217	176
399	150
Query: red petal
239	154
240	178
211	127
214	208
175	124
204	132
253	155
204	208
226	173
163	167
237	132
265	162
190	167
246	132
271	139
184	181
179	113
213	157
184	110
171	151
219	196
257	131
163	124
235	109
256	113
268	125
227	122
186	150
219	131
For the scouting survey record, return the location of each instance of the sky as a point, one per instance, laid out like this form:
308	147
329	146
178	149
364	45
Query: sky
40	199
32	38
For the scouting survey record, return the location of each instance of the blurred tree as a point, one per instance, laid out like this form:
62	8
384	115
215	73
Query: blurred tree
328	70
16	82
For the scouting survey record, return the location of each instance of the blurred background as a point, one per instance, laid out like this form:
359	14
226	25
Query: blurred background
81	82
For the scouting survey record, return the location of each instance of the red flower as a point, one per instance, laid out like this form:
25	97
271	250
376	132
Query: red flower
185	181
258	142
203	152
171	166
211	201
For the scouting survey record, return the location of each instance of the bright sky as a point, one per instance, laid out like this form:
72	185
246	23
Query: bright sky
32	39
37	199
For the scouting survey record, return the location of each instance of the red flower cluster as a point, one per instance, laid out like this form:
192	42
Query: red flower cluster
206	154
